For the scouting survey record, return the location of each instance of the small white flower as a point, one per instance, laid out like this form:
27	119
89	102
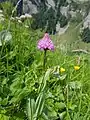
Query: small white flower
1	11
1	15
19	21
22	17
26	26
12	18
28	16
18	18
1	19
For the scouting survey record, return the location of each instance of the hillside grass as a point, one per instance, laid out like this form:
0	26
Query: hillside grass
71	38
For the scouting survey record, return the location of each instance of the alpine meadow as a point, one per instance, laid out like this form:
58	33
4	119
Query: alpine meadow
44	59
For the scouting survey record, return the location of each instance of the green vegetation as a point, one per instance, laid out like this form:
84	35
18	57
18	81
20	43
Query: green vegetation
85	35
27	91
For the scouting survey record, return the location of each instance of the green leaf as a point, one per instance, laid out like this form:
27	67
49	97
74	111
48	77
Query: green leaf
8	36
60	105
44	79
75	85
52	114
5	36
30	108
62	115
3	117
72	107
45	117
63	77
4	101
39	104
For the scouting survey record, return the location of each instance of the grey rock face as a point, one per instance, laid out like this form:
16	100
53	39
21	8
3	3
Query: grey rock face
33	7
50	3
60	30
29	7
87	21
65	10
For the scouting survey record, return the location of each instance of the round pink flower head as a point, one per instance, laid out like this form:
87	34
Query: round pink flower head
46	43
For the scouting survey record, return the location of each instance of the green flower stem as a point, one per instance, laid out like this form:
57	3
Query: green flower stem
67	109
44	60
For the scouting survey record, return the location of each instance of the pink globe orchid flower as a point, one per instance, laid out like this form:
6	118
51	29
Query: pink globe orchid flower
46	43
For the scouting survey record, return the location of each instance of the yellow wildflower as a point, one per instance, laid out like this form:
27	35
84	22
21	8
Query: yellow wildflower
62	70
76	67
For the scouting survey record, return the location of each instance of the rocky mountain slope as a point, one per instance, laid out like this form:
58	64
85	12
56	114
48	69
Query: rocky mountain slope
47	13
54	15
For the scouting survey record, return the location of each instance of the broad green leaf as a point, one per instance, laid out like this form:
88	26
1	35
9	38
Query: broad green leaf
45	117
45	78
5	36
3	117
30	108
63	77
60	105
39	104
8	36
75	85
52	114
72	107
62	115
4	101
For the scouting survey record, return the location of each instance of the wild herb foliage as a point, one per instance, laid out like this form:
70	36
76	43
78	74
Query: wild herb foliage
27	91
17	53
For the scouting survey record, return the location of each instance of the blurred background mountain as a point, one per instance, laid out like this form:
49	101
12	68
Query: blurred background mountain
55	16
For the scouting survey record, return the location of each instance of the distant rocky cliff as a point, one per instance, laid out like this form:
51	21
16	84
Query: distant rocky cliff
54	15
47	13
